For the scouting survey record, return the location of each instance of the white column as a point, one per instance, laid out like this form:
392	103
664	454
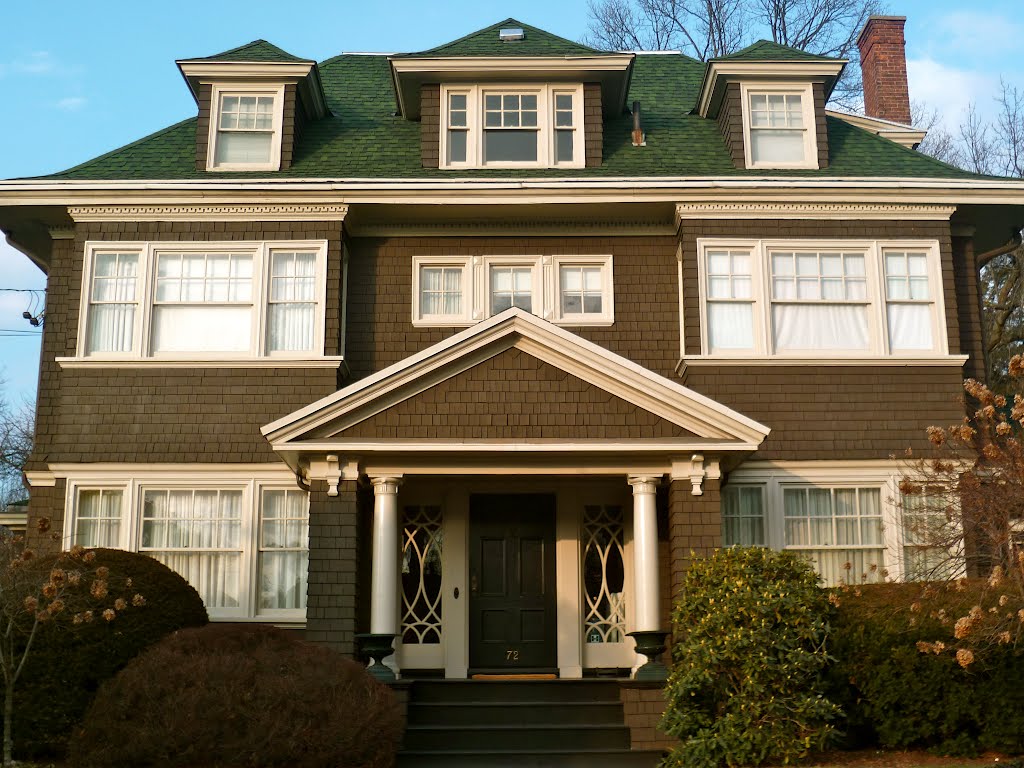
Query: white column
647	593
384	563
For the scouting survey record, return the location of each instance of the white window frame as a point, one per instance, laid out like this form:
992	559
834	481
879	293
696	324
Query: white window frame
218	92
130	539
873	250
545	287
545	93
810	143
148	252
774	477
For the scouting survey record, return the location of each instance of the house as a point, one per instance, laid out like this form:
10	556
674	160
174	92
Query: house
512	327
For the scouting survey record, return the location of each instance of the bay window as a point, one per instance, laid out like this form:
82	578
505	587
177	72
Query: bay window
243	544
534	125
821	299
203	300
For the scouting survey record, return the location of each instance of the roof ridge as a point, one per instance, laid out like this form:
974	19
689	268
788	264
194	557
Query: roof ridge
498	25
258	45
772	45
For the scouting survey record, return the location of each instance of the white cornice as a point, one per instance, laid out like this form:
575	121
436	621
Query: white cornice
510	66
210	212
79	363
852	211
245	70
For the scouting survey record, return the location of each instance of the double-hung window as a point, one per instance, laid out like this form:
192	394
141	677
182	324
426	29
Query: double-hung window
779	127
242	544
512	126
820	299
203	300
459	290
245	129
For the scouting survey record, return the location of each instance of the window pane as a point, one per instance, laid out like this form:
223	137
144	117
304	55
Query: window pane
563	146
284	543
198	328
457	146
511	287
440	291
510	146
730	325
290	327
910	327
242	147
820	326
98	522
111	328
742	516
776	146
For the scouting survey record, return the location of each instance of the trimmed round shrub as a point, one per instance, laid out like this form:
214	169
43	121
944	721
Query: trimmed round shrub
897	677
240	695
750	627
67	661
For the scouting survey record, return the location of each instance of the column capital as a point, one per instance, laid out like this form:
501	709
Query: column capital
385	484
644	483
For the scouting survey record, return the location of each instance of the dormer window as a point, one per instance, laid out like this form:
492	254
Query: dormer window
778	126
245	129
507	126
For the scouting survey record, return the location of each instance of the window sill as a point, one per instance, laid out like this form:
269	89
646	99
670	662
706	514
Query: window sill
561	323
258	362
700	361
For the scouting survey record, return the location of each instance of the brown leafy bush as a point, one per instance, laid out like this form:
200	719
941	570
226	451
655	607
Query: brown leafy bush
70	657
235	695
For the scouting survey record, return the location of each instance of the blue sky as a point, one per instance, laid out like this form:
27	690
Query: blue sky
79	79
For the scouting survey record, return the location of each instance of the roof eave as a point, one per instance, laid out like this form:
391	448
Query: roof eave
720	72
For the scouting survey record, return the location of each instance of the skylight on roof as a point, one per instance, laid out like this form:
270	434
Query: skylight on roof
511	33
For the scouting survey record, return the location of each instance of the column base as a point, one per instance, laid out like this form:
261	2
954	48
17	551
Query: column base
650	643
378	646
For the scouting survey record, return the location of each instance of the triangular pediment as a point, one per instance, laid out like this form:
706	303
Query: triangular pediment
516	377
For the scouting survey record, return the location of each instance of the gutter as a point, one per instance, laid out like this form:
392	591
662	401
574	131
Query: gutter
1011	245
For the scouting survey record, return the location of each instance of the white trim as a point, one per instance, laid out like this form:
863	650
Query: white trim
545	294
509	65
261	252
809	129
554	345
475	128
244	70
221	90
817	210
104	472
790	71
873	250
702	361
327	361
906	135
210	212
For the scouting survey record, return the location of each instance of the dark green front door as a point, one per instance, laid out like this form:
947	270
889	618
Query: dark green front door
512	583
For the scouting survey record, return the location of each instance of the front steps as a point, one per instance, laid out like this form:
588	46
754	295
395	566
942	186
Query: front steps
494	724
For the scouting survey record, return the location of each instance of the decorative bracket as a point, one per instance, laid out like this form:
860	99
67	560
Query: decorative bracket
696	469
333	469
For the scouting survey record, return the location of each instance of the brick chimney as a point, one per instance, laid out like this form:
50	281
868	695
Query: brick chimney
883	64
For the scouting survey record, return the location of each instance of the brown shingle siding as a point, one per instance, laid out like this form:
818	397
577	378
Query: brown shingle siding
514	395
430	125
203	125
167	414
968	300
820	124
730	123
593	125
288	127
332	582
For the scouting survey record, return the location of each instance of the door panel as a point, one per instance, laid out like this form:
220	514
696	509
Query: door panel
512	582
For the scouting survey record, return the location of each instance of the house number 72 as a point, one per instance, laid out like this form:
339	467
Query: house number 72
512	655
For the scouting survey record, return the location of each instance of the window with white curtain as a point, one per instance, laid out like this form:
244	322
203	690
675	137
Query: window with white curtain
284	548
197	533
838	529
730	299
779	126
245	129
511	286
743	521
98	517
113	303
909	305
243	544
928	530
821	299
204	300
441	289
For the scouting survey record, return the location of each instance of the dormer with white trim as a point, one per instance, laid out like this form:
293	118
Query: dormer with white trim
253	102
769	101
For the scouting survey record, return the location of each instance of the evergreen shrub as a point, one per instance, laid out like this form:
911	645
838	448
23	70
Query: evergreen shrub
749	651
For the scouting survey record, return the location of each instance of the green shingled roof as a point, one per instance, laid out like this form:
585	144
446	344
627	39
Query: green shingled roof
364	138
257	50
485	42
766	50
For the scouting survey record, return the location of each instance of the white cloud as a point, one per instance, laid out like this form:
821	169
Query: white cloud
71	103
950	90
36	63
979	34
